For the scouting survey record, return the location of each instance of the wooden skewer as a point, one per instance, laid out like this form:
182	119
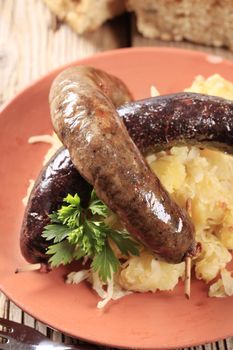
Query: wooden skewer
187	281
29	267
189	206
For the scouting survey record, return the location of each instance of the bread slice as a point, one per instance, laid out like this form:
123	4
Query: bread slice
85	15
207	22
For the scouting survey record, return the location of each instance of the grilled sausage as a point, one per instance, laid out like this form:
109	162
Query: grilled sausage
58	178
153	124
85	119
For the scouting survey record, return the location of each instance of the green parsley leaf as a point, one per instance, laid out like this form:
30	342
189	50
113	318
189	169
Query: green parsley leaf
76	235
78	253
54	218
57	232
98	235
70	215
62	253
73	200
76	232
97	207
124	242
105	263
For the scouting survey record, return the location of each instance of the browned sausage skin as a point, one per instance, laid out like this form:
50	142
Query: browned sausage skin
85	119
58	178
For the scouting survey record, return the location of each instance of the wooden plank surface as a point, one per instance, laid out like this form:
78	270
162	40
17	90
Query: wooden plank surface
29	48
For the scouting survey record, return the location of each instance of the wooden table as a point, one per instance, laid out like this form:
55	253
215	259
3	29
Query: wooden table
29	48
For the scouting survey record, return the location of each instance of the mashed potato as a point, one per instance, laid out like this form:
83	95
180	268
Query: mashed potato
145	274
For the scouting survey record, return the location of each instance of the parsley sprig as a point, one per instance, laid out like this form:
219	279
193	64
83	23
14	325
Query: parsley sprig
78	232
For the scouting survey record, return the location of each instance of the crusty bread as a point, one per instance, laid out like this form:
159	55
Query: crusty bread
85	15
207	22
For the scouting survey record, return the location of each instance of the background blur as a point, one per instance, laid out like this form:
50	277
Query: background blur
34	41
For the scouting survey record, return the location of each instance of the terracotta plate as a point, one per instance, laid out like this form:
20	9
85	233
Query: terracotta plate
161	320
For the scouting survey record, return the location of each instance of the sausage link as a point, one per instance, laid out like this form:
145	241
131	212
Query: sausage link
55	180
158	123
85	119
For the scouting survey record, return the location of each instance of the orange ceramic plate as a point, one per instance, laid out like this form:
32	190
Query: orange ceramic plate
162	320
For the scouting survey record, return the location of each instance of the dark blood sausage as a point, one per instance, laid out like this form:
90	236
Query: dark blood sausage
86	121
158	123
58	178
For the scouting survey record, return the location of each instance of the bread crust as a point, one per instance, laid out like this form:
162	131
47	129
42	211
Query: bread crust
85	15
207	22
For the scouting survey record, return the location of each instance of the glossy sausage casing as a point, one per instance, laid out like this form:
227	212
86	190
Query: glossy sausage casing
158	123
85	119
56	179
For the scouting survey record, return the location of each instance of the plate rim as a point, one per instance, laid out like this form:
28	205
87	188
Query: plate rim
119	51
109	53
